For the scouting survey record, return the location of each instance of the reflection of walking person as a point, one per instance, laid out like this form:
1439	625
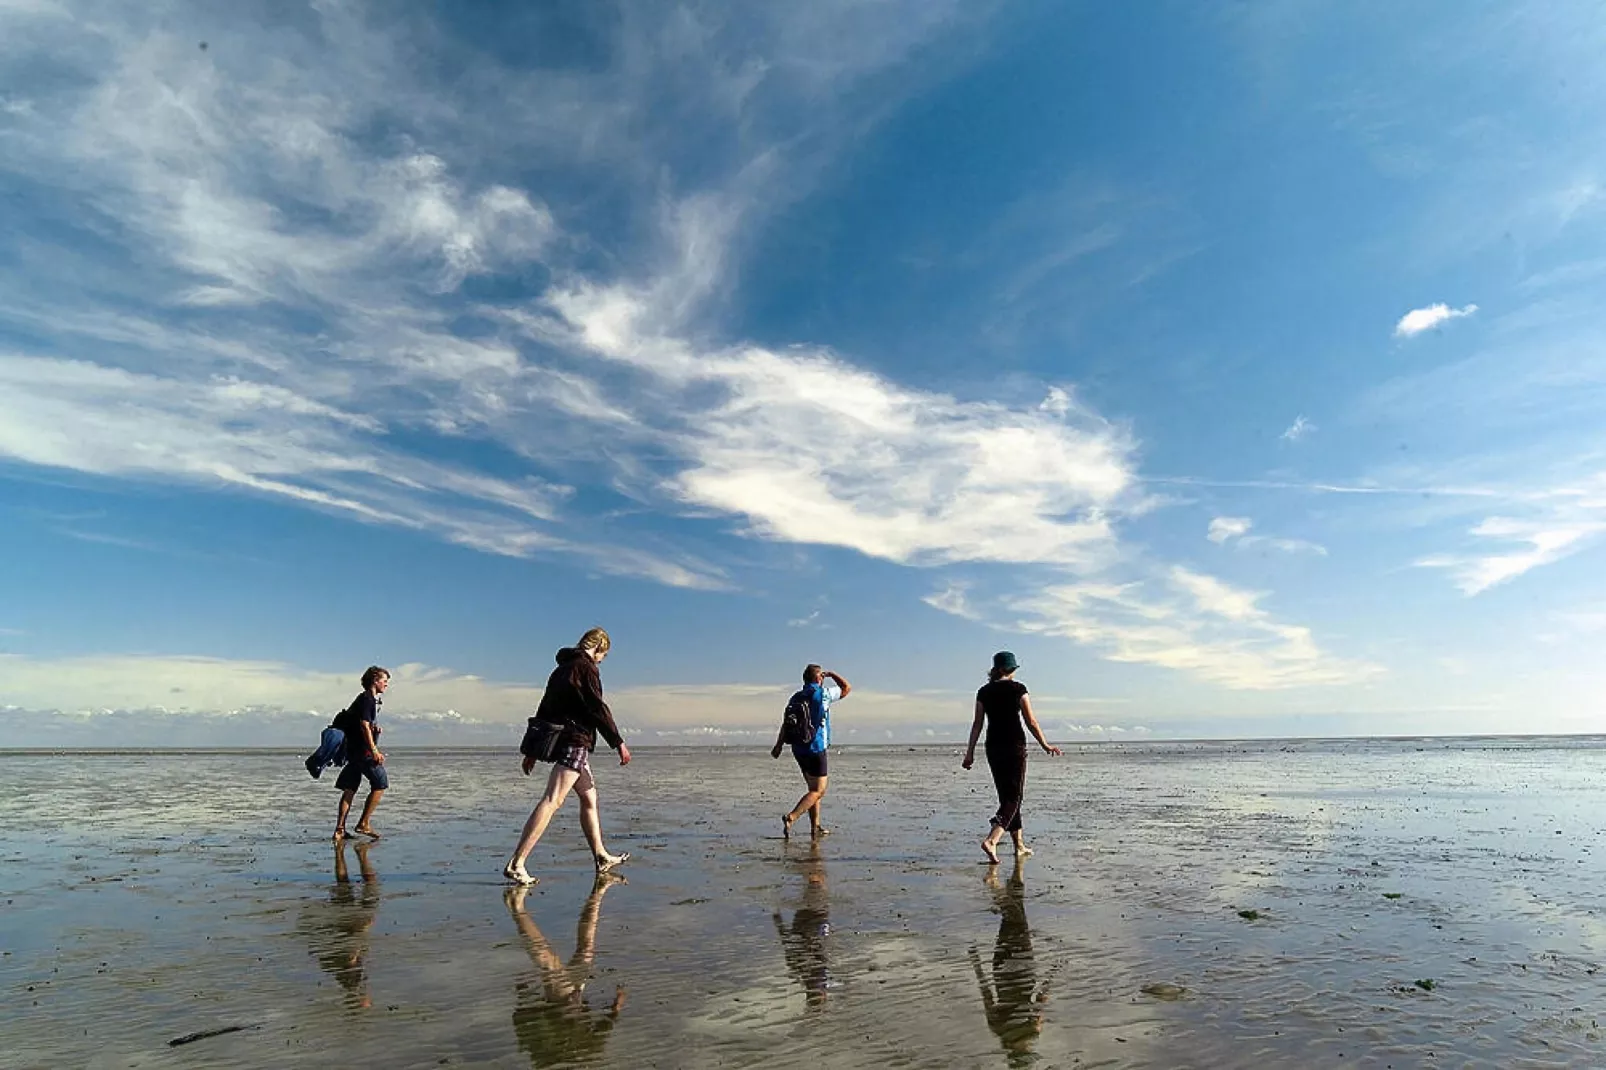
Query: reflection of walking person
572	706
553	1021
1003	703
804	941
339	929
1012	998
821	687
360	723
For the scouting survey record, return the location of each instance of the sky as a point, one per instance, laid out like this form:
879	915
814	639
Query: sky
1239	366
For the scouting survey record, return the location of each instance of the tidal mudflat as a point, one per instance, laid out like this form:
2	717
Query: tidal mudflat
1319	903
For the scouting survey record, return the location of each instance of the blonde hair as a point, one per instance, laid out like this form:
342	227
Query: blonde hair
594	641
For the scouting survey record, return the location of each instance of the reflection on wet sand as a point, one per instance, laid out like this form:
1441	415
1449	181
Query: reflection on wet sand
339	928
803	943
1012	997
554	1020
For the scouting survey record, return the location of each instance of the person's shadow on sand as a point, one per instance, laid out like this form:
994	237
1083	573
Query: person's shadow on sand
1011	996
553	1020
338	929
804	941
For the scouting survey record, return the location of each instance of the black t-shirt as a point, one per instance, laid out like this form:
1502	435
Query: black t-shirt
1000	700
364	708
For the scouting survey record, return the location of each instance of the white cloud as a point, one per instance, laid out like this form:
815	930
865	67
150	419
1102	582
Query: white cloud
1235	529
292	322
1178	619
306	210
1297	430
811	449
1418	320
1223	528
1544	542
189	689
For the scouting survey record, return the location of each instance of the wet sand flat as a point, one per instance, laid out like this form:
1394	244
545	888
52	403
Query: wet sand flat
1306	904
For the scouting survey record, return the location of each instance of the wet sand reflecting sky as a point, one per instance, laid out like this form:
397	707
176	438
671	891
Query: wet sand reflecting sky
152	897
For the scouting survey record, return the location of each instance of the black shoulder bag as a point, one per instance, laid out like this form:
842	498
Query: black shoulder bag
543	740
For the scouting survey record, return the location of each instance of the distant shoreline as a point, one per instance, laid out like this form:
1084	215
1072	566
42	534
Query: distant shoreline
893	745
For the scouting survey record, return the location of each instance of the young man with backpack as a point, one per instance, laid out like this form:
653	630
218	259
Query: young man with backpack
364	760
806	725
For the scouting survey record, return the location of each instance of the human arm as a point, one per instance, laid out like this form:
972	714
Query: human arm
780	741
842	685
975	734
1033	727
368	733
589	685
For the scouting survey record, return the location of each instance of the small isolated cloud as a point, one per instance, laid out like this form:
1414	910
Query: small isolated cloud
1298	429
1223	528
1418	320
1235	529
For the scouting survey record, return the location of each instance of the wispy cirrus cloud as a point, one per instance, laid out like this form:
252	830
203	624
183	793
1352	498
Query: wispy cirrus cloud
1558	524
311	269
1419	320
1297	430
268	291
1171	617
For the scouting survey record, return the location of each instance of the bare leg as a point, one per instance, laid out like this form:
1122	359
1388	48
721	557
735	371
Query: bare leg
557	789
345	808
815	828
808	804
368	812
591	825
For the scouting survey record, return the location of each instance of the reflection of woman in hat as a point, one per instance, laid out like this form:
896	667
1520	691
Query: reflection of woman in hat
1003	704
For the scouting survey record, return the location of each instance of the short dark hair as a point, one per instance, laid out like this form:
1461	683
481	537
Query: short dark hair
373	674
810	671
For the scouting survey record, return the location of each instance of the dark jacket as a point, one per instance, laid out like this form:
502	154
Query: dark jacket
574	698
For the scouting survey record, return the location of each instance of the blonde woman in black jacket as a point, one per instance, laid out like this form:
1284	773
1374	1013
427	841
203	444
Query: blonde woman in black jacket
572	706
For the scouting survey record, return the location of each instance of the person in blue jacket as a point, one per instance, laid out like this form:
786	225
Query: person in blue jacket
823	687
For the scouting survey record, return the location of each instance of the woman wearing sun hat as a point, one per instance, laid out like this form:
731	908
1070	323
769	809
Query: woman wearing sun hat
1002	702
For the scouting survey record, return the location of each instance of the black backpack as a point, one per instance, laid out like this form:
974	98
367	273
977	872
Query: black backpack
797	723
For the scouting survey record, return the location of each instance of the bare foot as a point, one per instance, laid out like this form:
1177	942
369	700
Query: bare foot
786	826
989	849
515	872
340	834
363	830
607	862
820	831
1022	851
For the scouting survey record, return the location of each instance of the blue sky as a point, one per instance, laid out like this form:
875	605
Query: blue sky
1239	366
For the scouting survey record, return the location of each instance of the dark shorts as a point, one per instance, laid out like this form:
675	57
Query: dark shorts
812	764
352	775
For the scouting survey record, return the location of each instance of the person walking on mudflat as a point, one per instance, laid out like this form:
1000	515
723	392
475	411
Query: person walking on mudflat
821	687
1003	703
564	732
360	723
